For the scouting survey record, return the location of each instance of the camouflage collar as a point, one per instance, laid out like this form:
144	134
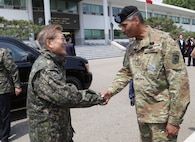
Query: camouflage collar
51	55
144	42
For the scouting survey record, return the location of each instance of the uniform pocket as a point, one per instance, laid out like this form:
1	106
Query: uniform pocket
154	62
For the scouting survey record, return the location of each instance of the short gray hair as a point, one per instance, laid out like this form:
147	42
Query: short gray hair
48	32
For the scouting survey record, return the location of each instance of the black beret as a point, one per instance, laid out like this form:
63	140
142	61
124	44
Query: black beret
125	13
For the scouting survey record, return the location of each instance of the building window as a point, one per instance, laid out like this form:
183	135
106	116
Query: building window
86	8
92	9
185	20
61	5
160	15
1	3
57	5
94	34
143	13
72	7
118	34
53	5
116	10
108	11
13	4
175	19
37	4
193	21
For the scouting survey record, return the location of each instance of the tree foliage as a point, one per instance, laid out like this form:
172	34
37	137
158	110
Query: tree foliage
190	4
188	34
166	25
19	29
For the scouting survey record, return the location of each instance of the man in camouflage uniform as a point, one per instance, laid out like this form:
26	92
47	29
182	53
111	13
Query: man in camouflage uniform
161	84
49	98
9	79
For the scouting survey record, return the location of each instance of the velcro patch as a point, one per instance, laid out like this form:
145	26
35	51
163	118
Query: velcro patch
175	58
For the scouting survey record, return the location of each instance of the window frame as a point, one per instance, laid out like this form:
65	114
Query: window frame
92	9
185	20
93	34
19	55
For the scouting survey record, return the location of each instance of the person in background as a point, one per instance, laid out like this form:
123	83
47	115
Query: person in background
182	45
9	83
193	51
70	50
190	49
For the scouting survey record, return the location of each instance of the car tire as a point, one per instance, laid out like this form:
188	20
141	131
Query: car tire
75	81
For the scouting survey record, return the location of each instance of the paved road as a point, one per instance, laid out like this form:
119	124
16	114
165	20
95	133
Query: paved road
115	122
98	52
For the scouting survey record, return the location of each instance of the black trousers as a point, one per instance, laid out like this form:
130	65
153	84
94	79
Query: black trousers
4	117
189	61
183	56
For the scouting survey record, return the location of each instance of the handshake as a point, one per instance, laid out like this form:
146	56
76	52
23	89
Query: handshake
93	98
86	98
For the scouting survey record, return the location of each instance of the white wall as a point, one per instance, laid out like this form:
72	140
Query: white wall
93	21
187	27
95	42
193	27
11	14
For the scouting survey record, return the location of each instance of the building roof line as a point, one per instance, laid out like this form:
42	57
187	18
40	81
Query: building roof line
170	6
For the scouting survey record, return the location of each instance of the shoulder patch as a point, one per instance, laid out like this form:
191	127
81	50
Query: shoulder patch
175	58
55	75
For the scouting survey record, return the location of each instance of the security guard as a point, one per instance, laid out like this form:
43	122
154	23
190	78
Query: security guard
160	78
9	79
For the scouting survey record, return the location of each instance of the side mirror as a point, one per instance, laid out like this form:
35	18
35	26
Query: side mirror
30	57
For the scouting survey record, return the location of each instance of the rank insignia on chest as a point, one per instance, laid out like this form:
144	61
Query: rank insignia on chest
175	58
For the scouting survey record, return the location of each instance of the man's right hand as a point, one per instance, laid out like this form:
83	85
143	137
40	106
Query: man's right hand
18	91
107	95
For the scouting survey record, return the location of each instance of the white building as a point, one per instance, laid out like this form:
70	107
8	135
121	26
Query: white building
90	21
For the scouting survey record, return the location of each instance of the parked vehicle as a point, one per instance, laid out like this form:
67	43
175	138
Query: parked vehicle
77	68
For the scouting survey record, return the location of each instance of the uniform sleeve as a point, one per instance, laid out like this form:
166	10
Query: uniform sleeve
177	79
11	68
50	86
122	78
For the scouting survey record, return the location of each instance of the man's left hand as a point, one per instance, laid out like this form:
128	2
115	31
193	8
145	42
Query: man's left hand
18	91
172	130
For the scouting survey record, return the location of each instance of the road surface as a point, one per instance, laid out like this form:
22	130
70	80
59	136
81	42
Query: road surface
115	122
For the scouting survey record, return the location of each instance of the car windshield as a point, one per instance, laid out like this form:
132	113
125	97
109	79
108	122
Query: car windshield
33	44
17	53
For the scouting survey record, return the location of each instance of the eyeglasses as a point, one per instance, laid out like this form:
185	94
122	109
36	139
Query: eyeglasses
63	39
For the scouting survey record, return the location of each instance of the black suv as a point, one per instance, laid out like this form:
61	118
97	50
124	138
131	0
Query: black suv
77	69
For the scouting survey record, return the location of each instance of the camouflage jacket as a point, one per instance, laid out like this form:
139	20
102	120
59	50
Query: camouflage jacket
49	99
160	78
9	75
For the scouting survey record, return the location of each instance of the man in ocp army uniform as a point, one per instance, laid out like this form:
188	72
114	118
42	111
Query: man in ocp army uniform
160	79
9	83
49	98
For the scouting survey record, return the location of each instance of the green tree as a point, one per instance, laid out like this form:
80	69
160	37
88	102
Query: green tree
188	34
19	29
190	4
166	25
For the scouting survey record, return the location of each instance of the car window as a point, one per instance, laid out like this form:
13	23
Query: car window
17	53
